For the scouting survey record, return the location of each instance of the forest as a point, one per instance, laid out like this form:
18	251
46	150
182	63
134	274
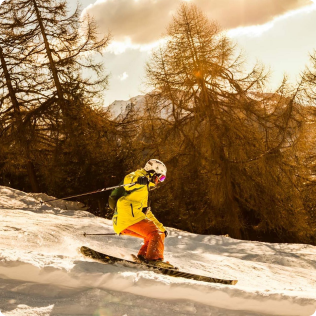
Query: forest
241	158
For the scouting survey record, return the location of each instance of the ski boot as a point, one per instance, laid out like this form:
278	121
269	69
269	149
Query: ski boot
157	263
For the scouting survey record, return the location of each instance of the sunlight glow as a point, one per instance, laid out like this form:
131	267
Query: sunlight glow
254	30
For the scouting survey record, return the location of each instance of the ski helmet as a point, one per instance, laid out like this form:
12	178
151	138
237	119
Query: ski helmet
157	166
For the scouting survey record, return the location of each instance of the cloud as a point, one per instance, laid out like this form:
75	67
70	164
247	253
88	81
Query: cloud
117	48
144	21
123	76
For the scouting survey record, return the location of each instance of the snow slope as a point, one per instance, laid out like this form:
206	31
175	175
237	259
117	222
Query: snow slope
42	273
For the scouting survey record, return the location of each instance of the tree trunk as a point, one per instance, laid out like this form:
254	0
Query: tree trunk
13	98
32	177
49	53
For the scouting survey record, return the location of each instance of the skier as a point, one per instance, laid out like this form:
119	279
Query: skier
133	216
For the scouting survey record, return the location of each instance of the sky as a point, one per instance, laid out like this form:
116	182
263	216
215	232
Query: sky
278	33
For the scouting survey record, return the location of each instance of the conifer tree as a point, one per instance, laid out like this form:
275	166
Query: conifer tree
227	140
52	66
17	87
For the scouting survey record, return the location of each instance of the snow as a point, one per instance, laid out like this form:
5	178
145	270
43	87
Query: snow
42	272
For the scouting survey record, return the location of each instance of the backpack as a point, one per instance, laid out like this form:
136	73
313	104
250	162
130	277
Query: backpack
115	195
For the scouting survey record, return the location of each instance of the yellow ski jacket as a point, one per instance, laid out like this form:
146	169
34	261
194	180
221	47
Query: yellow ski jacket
129	208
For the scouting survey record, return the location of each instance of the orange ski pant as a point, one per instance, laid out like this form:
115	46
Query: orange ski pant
153	247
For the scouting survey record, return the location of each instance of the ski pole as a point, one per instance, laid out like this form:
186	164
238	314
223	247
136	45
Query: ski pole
110	234
93	192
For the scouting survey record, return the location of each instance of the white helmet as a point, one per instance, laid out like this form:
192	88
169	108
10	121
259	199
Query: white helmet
157	166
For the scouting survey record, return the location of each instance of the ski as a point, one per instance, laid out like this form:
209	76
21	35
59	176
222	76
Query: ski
103	258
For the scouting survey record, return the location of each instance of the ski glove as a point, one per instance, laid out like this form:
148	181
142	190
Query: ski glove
142	180
166	233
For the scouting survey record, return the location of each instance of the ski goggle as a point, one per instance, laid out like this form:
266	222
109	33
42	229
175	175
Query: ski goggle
161	177
158	178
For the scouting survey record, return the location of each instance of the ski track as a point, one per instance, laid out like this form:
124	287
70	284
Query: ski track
42	272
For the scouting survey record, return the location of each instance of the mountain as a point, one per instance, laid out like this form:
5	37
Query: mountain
42	273
120	108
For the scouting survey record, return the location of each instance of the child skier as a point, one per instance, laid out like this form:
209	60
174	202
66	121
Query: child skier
133	216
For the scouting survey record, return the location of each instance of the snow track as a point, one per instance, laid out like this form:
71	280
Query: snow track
42	273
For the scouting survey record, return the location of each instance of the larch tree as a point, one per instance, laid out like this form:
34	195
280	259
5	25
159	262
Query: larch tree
50	62
70	46
224	138
19	90
306	148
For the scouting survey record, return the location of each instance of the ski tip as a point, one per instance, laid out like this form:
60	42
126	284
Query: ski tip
234	282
